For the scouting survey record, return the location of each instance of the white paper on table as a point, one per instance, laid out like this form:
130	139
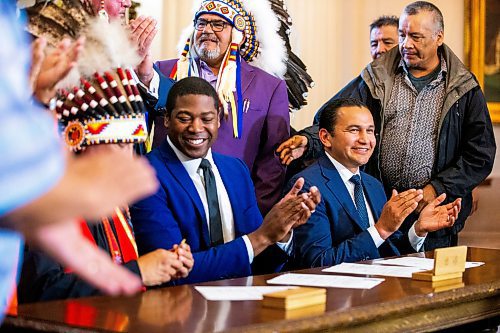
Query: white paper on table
237	293
423	263
326	280
384	270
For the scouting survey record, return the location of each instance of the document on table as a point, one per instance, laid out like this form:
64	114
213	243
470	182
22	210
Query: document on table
326	280
362	269
237	293
423	263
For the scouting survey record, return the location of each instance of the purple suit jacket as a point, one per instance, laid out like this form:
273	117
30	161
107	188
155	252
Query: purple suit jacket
265	125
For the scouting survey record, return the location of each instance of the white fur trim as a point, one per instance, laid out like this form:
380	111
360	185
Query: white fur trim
272	55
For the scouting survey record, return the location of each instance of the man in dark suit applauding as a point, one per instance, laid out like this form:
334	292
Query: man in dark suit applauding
354	220
208	198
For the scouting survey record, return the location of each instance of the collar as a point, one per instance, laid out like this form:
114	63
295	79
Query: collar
205	72
204	66
344	173
442	72
190	164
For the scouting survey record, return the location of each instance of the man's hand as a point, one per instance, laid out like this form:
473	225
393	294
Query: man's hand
143	30
186	257
48	70
396	210
159	266
293	210
429	196
37	57
292	148
434	217
312	199
65	243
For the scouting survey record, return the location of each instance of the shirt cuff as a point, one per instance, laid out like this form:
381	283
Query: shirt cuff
415	240
249	248
375	236
153	85
287	247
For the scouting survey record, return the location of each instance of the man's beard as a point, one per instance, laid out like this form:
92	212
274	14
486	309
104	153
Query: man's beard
206	54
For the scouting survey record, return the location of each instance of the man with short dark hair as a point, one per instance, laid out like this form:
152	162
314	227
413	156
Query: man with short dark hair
383	35
353	221
208	198
227	48
434	125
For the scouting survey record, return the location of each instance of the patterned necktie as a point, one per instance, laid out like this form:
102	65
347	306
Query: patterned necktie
359	200
216	237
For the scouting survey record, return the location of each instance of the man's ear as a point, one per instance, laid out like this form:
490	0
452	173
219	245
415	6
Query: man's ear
324	137
440	38
166	120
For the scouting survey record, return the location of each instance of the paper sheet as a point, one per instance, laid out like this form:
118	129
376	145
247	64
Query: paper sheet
237	293
384	270
326	280
423	263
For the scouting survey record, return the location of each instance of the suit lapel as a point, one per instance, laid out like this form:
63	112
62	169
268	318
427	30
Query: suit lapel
370	191
247	75
178	171
337	187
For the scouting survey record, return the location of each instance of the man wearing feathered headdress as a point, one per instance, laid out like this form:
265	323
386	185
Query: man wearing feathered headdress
234	45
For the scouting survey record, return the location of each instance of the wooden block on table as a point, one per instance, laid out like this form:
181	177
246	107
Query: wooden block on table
449	263
445	285
429	276
295	298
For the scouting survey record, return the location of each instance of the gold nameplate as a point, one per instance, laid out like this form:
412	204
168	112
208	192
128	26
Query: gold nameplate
449	263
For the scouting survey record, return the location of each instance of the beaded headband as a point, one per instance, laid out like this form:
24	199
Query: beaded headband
105	109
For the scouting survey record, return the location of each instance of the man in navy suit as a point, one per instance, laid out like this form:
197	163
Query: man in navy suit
209	200
354	220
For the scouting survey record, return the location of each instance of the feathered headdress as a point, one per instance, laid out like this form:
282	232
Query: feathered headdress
249	41
98	101
264	26
298	81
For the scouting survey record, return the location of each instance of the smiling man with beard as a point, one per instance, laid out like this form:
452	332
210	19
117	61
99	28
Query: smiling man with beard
234	45
208	198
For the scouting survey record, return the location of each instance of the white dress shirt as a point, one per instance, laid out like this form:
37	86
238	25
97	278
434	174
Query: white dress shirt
154	84
192	167
415	241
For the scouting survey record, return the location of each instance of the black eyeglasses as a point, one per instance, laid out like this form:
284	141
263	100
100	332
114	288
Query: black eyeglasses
216	26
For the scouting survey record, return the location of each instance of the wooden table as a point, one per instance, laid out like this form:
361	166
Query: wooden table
396	305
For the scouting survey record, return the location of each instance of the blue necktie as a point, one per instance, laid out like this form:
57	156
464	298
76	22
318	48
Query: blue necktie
359	201
216	237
